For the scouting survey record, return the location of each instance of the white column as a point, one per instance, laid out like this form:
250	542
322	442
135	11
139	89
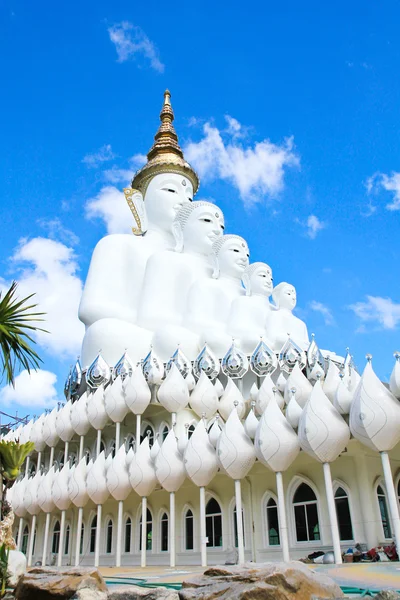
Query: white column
39	460
203	542
368	520
66	451
117	436
239	519
31	540
98	537
51	458
330	498
119	533
144	533
171	540
78	537
20	533
391	494
138	427
81	442
61	545
283	528
98	442
46	538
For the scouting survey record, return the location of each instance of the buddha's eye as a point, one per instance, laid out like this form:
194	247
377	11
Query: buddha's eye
248	255
222	227
190	199
170	190
235	250
206	220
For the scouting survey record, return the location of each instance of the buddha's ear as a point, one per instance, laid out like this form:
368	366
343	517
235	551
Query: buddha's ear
215	266
178	236
246	283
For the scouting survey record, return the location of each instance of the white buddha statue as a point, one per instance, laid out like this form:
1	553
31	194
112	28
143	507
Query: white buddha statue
170	274
282	323
114	283
209	301
249	313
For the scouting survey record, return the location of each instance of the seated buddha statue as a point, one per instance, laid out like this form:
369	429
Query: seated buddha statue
249	313
111	294
170	274
209	301
282	323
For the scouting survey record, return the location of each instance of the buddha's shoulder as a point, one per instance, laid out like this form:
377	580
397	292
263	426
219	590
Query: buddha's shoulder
118	240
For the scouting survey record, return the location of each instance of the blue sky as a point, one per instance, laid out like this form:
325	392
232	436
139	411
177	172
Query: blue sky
297	105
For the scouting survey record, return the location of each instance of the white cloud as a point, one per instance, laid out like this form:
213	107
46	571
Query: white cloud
104	154
256	171
312	226
323	310
131	42
124	176
381	310
110	206
35	389
389	183
57	231
48	268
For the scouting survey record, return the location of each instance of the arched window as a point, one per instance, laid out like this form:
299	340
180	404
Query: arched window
272	522
213	524
148	430
109	537
93	528
55	546
130	443
25	539
191	431
306	514
72	459
82	538
189	523
165	432
149	531
66	542
387	532
235	527
343	514
128	534
164	533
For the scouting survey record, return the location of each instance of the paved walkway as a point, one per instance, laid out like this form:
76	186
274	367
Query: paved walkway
374	576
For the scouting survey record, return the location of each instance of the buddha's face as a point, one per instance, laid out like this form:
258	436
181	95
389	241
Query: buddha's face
261	281
164	196
287	297
233	258
204	225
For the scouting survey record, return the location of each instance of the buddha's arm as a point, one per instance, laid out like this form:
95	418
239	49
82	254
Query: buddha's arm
201	307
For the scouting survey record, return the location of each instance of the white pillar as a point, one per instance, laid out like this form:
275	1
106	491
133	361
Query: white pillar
98	442
66	451
239	519
81	442
203	542
368	520
119	533
31	540
391	494
330	498
144	533
62	531
51	458
283	528
78	537
39	460
20	533
172	529
117	436
138	427
46	538
98	537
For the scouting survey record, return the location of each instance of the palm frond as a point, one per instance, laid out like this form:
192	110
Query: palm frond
17	321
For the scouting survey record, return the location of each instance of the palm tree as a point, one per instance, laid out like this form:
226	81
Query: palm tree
16	328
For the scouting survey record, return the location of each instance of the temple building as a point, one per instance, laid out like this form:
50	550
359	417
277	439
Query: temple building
209	428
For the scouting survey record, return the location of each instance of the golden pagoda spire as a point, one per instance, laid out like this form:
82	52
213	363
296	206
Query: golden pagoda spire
165	156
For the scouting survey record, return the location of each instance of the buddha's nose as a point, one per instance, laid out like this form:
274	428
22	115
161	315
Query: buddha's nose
217	231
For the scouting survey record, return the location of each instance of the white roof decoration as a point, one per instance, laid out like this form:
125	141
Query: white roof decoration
219	388
137	392
332	381
141	471
45	496
395	377
293	410
155	449
173	393
31	494
235	449
64	427
79	417
77	489
60	488
228	399
214	432
24	435
204	398
303	387
17	500
200	458
114	401
117	475
322	432
375	413
96	483
49	430
267	391
170	470
251	424
36	435
96	409
343	397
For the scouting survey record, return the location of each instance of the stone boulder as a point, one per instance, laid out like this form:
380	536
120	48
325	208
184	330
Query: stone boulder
267	581
58	584
16	567
135	592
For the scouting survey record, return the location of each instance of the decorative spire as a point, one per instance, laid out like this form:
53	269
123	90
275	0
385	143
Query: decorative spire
165	156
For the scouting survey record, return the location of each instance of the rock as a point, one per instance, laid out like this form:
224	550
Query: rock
267	581
89	594
16	567
135	592
58	584
387	595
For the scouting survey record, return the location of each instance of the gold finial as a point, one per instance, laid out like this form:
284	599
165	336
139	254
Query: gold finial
165	156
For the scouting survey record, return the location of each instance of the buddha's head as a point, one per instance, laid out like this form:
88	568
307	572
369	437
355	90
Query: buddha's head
165	195
284	296
257	280
230	256
196	226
